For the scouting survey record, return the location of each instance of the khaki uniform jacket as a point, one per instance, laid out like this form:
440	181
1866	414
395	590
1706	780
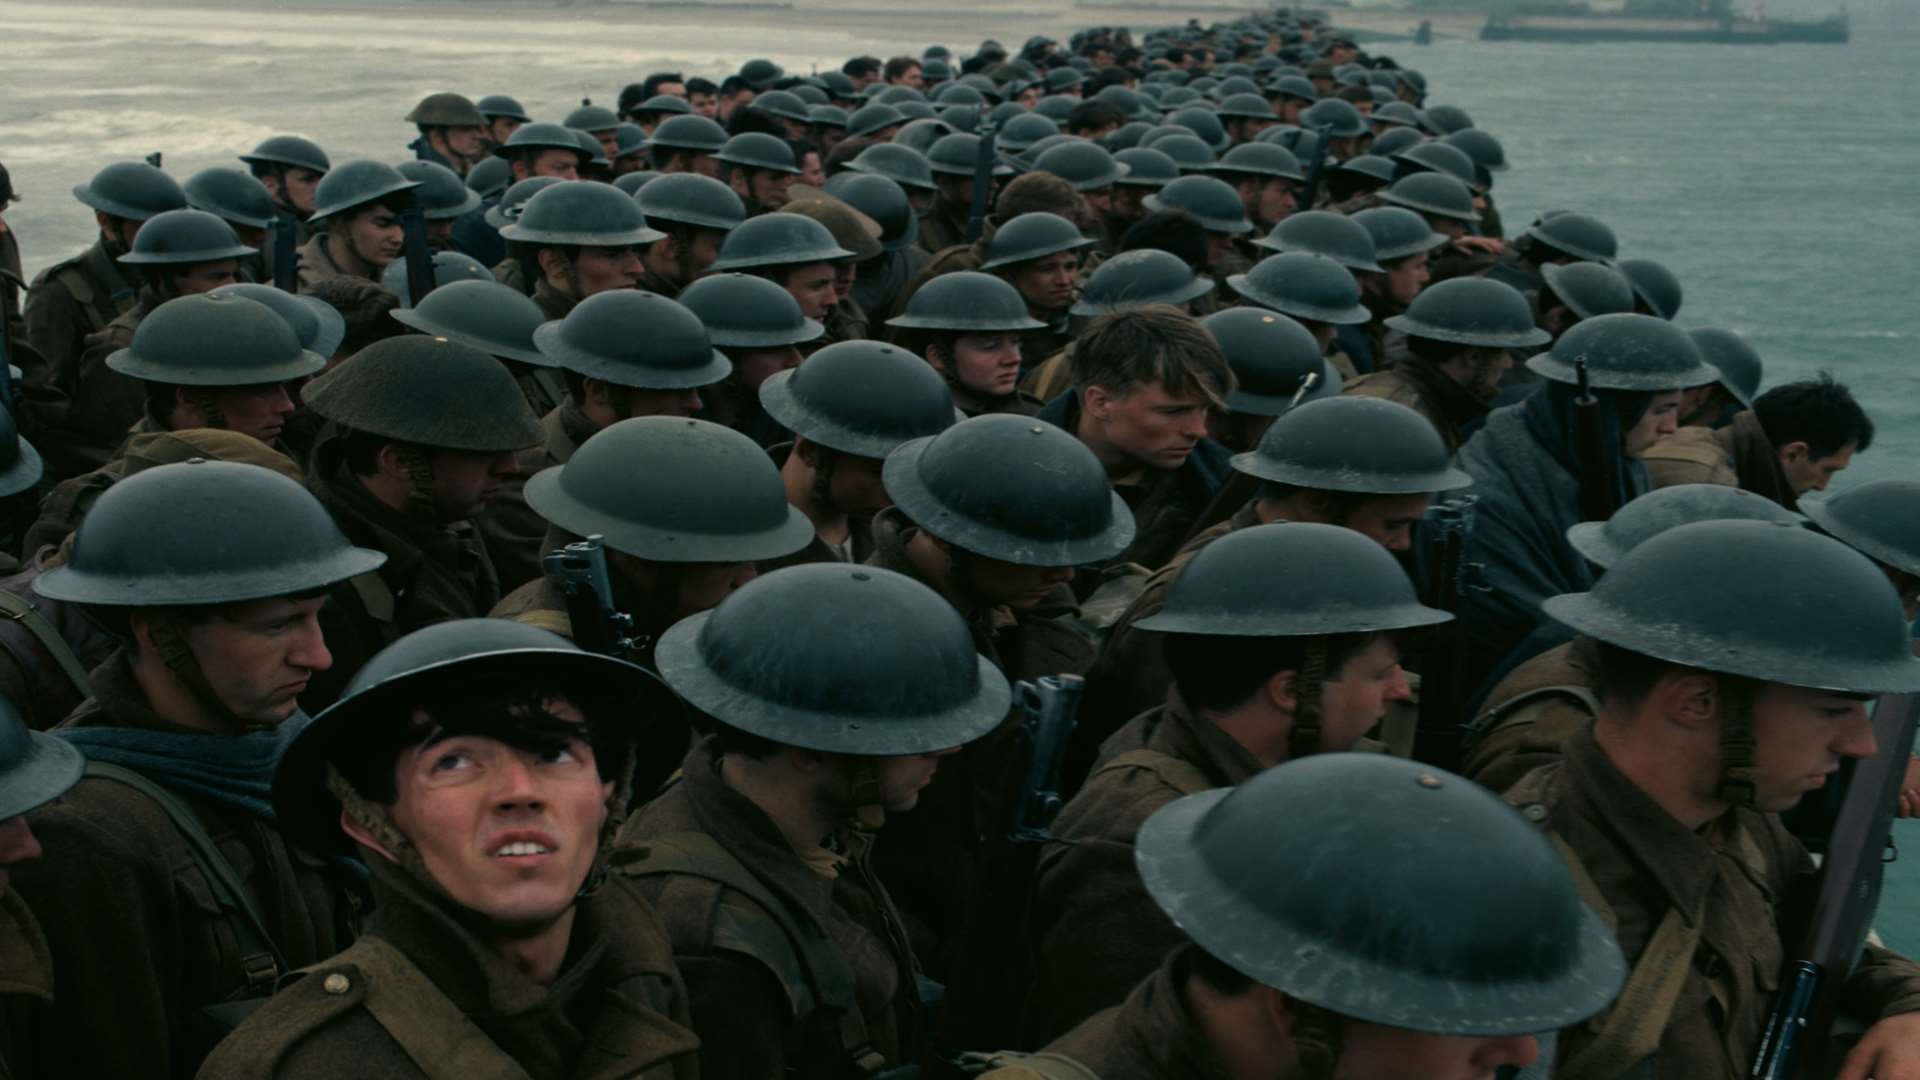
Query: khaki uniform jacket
1536	733
944	226
316	263
739	1007
1019	403
554	303
508	526
26	993
30	677
617	1008
107	403
135	932
1645	863
1149	1036
1095	930
1415	384
1738	455
67	302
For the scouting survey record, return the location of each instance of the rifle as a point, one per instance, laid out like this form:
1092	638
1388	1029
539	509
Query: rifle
1449	579
1599	453
420	275
286	257
580	571
1048	709
1796	1037
1316	164
982	175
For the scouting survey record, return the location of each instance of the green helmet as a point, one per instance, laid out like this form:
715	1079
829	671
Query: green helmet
1010	488
691	199
1364	445
1311	287
1260	159
777	239
759	150
593	118
1626	352
1737	361
203	532
783	104
35	768
1020	132
230	195
966	302
1033	236
1208	199
133	190
882	200
1146	167
741	311
1087	166
693	134
1399	114
1246	106
1376	168
660	106
496	319
1134	279
183	237
581	212
761	74
501	106
628	337
20	465
1205	126
1434	194
850	229
901	164
446	110
513	202
449	660
448	267
1448	119
955	155
1478	312
318	324
356	184
533	138
868	119
1272	357
290	151
1321	232
861	398
1337	118
1398	233
1876	519
1659	291
442	195
629	140
428	391
707	494
1588	289
1310	910
1578	235
1437	157
921	132
204	340
632	182
840	659
1647	516
1483	148
1391	142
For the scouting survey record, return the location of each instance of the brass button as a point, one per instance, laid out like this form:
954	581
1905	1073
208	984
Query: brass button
1534	812
336	984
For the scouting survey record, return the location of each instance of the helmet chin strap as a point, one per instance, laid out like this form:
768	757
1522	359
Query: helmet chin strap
1317	1038
869	810
1304	738
170	641
420	500
1739	777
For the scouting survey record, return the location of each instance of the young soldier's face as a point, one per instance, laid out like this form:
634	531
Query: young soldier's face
1800	737
1661	419
260	410
294	186
1047	284
1376	1052
902	779
509	833
1355	700
1150	425
597	269
257	656
465	481
987	365
374	234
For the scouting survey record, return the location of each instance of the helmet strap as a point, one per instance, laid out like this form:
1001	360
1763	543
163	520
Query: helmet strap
824	461
1739	779
683	241
1304	738
420	498
209	408
1317	1038
170	641
869	812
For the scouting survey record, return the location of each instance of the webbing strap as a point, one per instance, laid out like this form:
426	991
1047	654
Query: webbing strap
20	610
375	596
1182	776
259	956
429	1027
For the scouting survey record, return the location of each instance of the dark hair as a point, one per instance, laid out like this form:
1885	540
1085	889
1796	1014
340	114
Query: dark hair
1220	671
1217	973
860	67
1173	231
514	714
731	740
732	85
161	398
698	85
1107	76
1125	350
753	119
364	304
658	79
1337	506
630	95
1092	116
1435	351
899	66
1818	411
1356	94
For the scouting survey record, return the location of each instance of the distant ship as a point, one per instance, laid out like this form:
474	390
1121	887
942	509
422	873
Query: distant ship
1680	21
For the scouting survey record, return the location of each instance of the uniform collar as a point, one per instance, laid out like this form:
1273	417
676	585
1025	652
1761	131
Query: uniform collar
26	964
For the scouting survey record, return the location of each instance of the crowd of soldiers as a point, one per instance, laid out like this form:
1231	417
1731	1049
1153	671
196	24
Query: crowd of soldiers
621	659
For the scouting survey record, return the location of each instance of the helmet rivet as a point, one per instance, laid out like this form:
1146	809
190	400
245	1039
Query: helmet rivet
862	575
1428	781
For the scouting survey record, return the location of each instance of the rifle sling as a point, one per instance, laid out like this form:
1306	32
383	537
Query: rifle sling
20	610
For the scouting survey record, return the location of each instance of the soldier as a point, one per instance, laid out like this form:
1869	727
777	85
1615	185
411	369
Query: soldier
1134	278
1267	665
1093	173
794	252
12	283
165	876
1741	371
833	694
179	253
1148	170
223	362
759	168
1217	207
967	325
693	215
1276	365
1448	207
878	283
504	116
1575	291
357	208
1143	383
848	407
451	132
425	431
687	144
443	197
544	150
952	160
1713	717
1557	238
1403	245
1536	706
681	535
1274	983
35	769
1655	288
1793	440
857	234
1460	334
1315	291
598	123
1268	178
80	296
510	731
760	327
578	239
1529	463
290	167
240	201
1039	254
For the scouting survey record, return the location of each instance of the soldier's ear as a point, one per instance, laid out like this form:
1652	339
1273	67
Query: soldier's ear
359	834
1281	693
1795	453
1688	698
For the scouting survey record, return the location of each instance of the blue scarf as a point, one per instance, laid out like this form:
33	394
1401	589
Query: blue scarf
232	770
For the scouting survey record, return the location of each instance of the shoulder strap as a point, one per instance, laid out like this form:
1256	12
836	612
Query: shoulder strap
800	947
433	1032
1521	708
77	284
1632	1029
375	596
1182	776
260	958
22	611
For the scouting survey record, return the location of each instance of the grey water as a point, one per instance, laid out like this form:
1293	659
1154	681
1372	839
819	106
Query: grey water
1782	184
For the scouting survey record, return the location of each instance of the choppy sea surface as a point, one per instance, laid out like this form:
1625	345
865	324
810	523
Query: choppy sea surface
1782	184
